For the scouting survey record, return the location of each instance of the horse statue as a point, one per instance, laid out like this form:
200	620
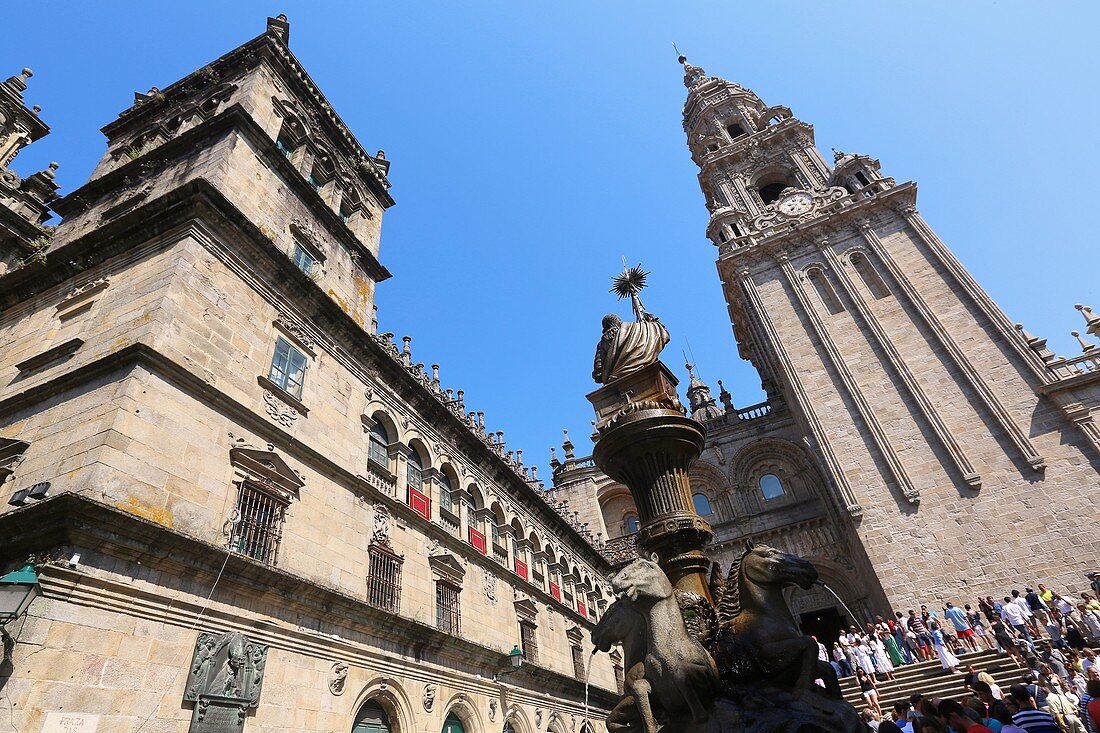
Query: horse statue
758	637
668	673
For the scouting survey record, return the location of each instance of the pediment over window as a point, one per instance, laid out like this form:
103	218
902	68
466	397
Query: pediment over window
575	635
11	454
268	469
527	610
446	566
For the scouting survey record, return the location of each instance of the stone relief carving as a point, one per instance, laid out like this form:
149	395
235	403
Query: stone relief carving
539	712
492	709
429	697
338	678
295	329
550	614
279	411
490	582
380	535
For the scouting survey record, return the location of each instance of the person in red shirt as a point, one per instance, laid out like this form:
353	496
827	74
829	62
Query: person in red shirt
952	713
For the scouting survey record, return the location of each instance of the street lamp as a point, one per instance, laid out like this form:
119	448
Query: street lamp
515	659
17	590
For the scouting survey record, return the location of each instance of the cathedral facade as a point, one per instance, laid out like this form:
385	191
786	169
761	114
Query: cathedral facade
239	506
915	444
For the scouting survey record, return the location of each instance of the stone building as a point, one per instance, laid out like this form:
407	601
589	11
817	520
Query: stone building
914	443
245	507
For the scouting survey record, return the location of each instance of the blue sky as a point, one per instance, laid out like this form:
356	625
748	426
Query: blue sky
534	144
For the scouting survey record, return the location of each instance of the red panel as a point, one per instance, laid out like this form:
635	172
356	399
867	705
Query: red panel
477	539
521	569
420	503
581	609
556	592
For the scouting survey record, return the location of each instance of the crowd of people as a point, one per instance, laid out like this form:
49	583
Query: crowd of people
1046	634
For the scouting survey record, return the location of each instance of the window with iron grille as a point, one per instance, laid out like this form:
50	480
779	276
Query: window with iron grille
447	614
288	368
528	642
384	579
260	528
578	662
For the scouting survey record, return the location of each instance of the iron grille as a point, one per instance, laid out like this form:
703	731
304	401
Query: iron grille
384	579
578	662
530	644
447	615
260	528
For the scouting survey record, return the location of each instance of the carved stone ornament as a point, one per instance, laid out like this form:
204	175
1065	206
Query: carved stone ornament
279	411
224	680
380	535
490	582
429	697
550	614
295	329
492	709
338	678
539	712
306	231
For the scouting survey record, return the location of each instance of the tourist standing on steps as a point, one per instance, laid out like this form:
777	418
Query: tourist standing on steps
947	660
840	661
883	665
869	689
1017	617
978	625
1029	617
963	630
1094	583
924	639
898	629
1006	642
1037	605
863	658
953	713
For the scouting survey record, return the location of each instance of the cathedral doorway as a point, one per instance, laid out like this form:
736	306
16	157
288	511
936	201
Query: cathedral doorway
452	725
825	623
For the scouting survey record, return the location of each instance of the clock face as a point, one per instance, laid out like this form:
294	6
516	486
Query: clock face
795	204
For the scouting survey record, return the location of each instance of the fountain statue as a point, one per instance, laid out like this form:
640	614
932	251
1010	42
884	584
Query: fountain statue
699	656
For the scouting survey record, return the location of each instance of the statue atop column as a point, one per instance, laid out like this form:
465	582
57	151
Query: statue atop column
625	348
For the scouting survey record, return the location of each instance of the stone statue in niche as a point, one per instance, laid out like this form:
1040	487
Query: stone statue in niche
224	680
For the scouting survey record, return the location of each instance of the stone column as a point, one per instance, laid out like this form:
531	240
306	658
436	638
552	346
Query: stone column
645	442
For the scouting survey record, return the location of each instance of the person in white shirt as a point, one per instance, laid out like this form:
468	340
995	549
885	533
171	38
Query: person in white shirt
1016	617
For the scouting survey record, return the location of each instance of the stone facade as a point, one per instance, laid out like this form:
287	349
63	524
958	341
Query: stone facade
221	443
918	444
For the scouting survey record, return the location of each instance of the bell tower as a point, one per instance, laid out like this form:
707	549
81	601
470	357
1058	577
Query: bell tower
929	411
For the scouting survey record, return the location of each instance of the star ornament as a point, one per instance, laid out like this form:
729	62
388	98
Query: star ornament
629	282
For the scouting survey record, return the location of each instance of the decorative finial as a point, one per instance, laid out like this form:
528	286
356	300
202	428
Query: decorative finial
1085	345
679	56
837	155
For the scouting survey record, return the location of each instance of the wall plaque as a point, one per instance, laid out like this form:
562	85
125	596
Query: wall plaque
224	680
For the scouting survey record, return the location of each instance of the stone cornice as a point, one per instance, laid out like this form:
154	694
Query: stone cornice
268	46
253	421
74	520
236	118
199	200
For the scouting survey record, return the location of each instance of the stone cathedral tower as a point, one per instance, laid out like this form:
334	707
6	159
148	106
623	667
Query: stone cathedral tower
955	445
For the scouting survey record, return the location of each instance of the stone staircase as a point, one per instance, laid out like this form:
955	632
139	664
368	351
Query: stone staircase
930	679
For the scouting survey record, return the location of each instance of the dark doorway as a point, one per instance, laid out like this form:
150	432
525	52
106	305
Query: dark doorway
825	623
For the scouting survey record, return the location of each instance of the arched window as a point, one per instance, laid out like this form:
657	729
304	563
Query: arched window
771	486
868	275
702	505
452	725
414	475
631	524
824	291
446	502
378	446
371	719
770	192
